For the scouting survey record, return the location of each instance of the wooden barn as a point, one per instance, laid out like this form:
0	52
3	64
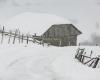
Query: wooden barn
61	35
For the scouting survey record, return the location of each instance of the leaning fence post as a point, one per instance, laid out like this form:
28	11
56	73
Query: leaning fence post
77	53
91	64
96	62
83	57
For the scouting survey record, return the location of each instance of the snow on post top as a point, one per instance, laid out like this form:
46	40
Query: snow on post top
34	22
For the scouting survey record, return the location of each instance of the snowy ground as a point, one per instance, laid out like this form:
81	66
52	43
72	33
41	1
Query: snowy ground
35	62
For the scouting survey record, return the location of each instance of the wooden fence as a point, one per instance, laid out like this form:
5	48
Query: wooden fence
19	36
86	60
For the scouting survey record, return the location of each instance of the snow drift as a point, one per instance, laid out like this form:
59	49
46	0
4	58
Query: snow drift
43	63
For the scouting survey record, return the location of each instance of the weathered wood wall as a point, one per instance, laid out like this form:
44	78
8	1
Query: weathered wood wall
65	33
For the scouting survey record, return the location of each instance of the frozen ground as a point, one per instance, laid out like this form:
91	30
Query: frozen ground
35	62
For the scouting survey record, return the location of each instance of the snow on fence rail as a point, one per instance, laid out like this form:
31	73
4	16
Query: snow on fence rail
20	37
87	60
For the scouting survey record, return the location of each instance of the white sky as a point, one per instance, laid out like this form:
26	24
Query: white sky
84	13
75	10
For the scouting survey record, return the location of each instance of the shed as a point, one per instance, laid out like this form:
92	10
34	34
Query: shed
61	35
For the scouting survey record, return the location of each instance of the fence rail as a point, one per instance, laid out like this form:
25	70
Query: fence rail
87	60
20	37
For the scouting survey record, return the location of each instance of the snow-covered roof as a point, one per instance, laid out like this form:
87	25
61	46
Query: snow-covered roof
34	22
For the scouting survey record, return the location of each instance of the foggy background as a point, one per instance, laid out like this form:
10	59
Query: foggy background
83	13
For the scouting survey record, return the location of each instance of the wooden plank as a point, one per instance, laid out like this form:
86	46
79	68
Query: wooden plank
88	61
96	62
91	64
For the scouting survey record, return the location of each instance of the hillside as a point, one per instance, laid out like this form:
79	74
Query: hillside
44	63
38	23
36	62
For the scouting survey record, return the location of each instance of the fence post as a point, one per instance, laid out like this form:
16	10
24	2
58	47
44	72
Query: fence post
15	36
19	35
27	38
42	42
91	53
82	60
22	38
9	36
96	62
33	39
2	34
91	63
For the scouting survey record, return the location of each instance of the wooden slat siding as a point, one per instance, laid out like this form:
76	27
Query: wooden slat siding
47	34
54	32
67	33
50	38
52	41
73	40
74	31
